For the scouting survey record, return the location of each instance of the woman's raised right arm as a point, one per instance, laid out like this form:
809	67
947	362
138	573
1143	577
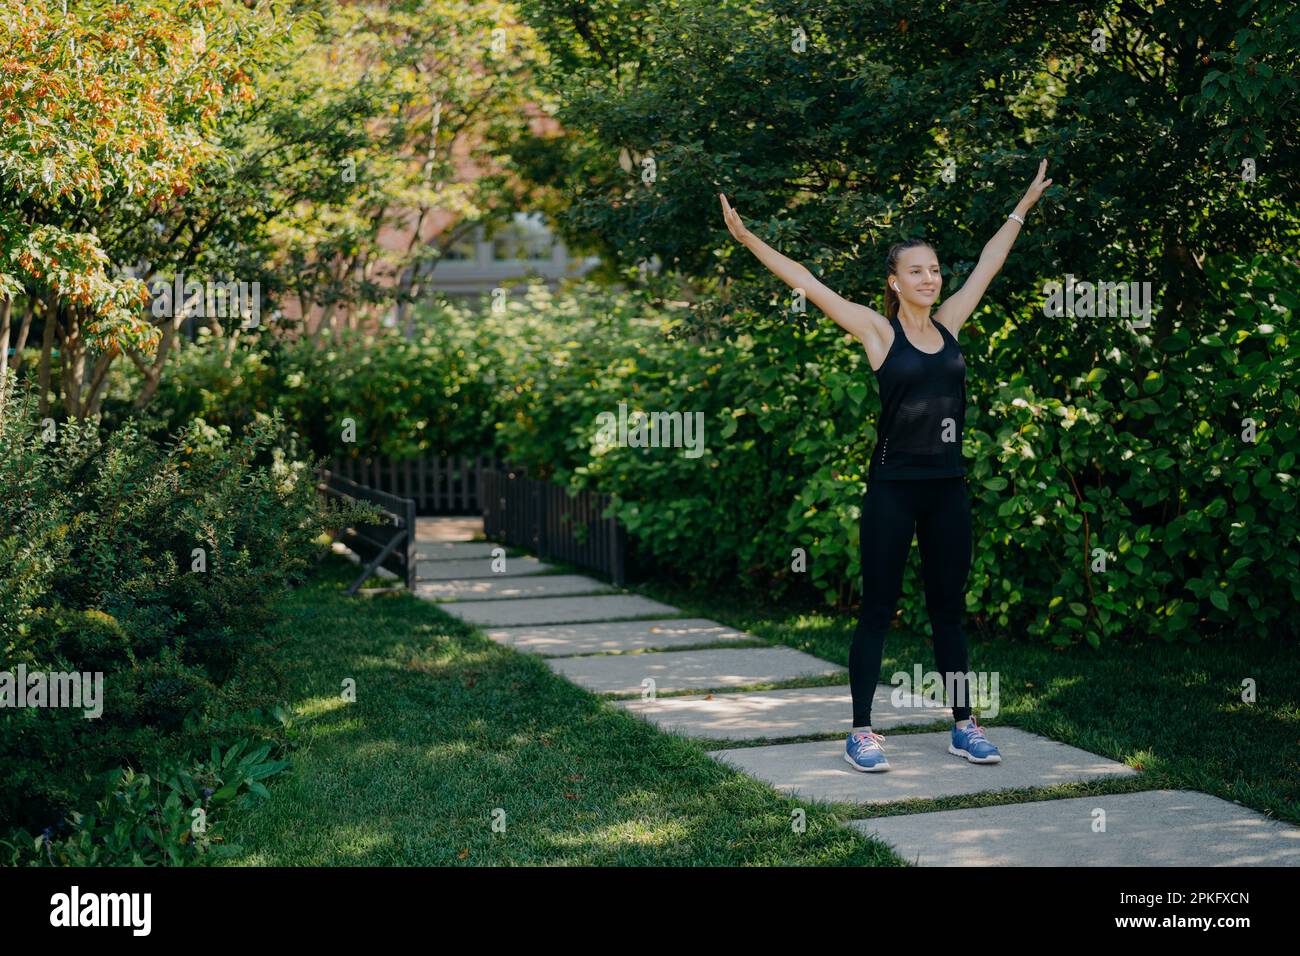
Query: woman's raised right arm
863	323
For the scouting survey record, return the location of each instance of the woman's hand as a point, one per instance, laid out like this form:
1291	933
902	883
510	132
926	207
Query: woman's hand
1035	190
734	225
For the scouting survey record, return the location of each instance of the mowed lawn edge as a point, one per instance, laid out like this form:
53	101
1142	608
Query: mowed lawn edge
460	751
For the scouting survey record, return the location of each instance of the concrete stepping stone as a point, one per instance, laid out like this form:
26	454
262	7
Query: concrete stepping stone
563	640
455	550
557	610
793	712
1149	828
478	568
448	527
484	589
921	767
690	670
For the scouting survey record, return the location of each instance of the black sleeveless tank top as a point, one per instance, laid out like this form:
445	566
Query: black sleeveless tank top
922	410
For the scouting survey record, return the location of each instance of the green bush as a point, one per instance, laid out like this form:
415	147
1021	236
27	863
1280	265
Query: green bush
1138	455
1114	493
408	398
97	574
175	821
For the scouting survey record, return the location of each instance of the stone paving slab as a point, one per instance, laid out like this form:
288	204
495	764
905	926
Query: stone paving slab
563	640
478	568
448	527
486	589
794	712
690	670
559	610
921	767
1149	828
454	550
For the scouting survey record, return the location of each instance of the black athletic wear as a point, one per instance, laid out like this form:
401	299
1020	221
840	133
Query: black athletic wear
922	410
916	484
938	511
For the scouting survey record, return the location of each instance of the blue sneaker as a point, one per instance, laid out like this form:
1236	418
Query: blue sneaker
862	751
970	742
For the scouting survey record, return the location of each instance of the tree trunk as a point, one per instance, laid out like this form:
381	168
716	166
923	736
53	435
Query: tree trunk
5	306
153	371
72	355
326	328
1184	284
98	384
23	329
231	341
47	346
405	318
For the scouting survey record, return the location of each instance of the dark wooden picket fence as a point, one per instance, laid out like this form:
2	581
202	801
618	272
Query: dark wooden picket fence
437	485
390	545
543	518
517	510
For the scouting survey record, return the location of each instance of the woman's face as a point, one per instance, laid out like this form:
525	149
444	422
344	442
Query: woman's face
917	277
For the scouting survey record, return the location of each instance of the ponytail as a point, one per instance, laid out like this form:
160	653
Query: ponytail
891	300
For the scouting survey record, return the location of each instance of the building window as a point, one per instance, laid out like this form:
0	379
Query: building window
525	237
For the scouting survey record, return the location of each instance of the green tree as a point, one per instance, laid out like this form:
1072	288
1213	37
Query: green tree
105	104
282	143
837	128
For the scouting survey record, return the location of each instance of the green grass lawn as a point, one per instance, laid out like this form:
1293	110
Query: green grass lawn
448	728
450	731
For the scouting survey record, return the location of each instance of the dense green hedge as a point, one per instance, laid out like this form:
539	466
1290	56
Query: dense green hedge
1199	526
408	398
1068	452
97	574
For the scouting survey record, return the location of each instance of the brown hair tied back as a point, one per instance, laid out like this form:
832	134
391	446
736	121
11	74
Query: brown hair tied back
891	266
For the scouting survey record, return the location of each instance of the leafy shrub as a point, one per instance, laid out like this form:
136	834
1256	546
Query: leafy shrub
1140	458
140	821
408	397
1114	491
97	574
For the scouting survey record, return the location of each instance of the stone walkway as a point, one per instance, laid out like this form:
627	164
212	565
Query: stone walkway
669	669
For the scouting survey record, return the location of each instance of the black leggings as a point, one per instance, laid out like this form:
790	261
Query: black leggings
938	509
